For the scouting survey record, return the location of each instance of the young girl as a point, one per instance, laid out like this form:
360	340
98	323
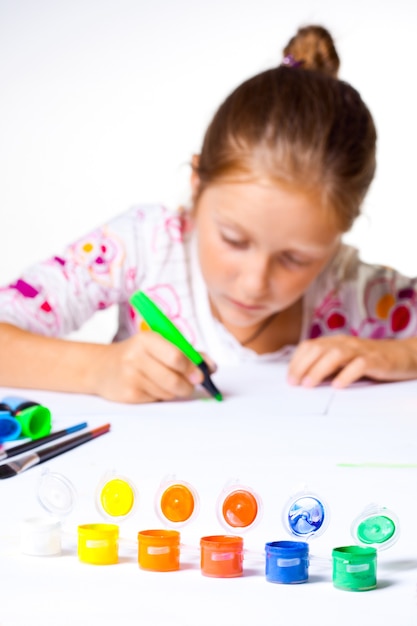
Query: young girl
254	268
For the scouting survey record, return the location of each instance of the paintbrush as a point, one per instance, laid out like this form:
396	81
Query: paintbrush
7	470
36	443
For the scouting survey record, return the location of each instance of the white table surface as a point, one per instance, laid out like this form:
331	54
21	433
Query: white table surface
351	447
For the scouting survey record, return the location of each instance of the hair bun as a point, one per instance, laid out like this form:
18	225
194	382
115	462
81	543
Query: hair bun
312	48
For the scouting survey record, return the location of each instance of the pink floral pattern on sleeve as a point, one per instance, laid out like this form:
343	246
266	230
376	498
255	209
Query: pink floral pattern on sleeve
386	307
29	301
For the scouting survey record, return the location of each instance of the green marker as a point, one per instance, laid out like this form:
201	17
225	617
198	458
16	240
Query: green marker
160	323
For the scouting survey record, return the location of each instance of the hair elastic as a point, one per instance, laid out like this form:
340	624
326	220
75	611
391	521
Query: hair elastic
290	61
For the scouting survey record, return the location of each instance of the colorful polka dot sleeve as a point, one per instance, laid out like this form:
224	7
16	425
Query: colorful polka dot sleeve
99	270
363	300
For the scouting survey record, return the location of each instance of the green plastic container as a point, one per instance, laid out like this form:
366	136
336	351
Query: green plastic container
354	568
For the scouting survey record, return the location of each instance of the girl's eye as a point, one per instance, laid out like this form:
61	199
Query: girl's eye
291	260
234	243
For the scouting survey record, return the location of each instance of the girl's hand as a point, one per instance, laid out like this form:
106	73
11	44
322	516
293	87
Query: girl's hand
145	368
350	358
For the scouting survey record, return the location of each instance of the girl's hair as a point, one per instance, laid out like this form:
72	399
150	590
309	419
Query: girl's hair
297	127
313	48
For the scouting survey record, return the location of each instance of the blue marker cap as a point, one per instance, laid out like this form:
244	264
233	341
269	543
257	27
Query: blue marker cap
10	428
306	515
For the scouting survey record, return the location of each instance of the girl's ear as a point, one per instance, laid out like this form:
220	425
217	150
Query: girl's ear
195	179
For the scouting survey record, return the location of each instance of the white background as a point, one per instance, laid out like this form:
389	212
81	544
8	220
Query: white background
103	102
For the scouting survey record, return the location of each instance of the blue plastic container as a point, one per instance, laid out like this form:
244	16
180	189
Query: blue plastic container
286	562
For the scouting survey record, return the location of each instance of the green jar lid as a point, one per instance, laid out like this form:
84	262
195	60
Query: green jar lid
377	527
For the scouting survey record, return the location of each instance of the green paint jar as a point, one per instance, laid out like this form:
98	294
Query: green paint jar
354	568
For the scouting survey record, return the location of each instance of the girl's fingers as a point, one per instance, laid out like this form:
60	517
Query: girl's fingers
319	359
164	383
168	372
353	371
325	365
304	358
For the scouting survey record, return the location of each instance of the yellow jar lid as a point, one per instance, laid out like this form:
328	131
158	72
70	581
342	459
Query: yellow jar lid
116	497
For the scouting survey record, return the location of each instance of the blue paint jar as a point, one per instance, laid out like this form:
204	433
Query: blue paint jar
286	562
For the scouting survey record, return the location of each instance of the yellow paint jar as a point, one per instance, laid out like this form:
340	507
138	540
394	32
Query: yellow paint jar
98	544
159	550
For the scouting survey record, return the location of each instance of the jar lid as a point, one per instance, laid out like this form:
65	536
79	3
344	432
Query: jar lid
376	527
116	496
56	493
239	508
176	502
306	515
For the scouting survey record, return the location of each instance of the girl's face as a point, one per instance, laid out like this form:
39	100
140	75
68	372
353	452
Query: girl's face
260	246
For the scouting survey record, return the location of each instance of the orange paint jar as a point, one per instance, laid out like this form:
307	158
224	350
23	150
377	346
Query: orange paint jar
221	556
159	550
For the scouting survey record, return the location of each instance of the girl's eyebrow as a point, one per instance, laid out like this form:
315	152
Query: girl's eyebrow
227	222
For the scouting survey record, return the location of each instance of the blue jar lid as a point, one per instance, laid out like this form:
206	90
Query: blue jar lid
306	515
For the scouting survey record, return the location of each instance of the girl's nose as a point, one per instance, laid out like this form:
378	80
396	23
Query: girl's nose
256	278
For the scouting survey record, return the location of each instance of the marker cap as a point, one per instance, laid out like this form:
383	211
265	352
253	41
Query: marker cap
306	515
35	421
56	493
10	428
116	496
376	527
176	502
239	508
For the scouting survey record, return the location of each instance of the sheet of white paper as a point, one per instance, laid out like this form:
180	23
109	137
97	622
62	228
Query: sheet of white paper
248	390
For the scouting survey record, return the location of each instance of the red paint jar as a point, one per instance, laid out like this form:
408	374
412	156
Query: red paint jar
221	556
